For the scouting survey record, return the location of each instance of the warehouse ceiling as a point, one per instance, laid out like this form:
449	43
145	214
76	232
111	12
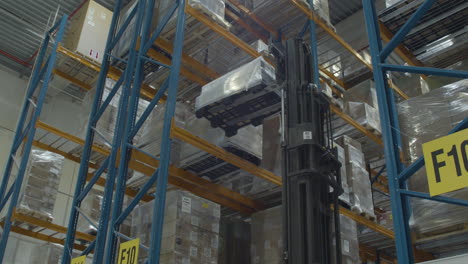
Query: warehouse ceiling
23	23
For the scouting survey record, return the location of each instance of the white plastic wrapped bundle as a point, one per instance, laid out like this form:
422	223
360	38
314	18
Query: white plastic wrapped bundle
349	241
357	176
364	92
241	79
151	133
365	115
345	197
214	8
199	127
247	184
272	155
320	8
411	84
389	3
40	187
191	229
360	190
422	119
353	151
106	124
91	207
266	240
248	139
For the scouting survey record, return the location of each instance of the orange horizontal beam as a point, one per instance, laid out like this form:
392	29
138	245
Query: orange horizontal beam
72	79
72	138
257	20
183	71
356	125
113	73
43	237
50	226
368	223
178	177
196	65
179	133
222	31
246	26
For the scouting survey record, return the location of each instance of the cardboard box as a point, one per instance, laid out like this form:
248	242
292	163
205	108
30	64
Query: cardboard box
88	31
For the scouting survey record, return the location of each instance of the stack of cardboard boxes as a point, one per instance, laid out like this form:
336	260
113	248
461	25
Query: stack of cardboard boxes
40	187
190	232
357	177
267	232
360	102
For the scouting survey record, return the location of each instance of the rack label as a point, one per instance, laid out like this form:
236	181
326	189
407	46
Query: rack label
128	252
79	260
446	161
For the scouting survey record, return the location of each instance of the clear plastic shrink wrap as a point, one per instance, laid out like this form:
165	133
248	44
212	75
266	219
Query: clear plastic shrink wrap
345	197
266	240
40	187
422	119
190	232
151	132
349	241
361	190
267	232
91	207
357	177
364	92
320	8
251	75
365	115
360	102
214	8
272	153
106	125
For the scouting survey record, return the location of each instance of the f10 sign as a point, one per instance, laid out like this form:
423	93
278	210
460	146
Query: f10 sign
447	163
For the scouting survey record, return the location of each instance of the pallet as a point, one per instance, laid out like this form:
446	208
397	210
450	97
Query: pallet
372	130
245	108
370	217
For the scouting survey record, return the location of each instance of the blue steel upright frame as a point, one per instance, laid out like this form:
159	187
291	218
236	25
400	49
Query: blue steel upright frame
26	127
396	171
127	126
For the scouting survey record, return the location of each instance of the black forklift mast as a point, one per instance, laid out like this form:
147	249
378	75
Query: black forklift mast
311	180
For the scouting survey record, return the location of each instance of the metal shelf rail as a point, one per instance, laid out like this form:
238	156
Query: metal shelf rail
396	171
26	127
127	126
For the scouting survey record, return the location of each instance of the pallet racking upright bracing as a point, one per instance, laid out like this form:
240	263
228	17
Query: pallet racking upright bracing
397	173
127	126
26	127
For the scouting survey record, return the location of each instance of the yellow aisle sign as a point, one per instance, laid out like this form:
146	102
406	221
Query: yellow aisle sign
128	252
79	260
447	163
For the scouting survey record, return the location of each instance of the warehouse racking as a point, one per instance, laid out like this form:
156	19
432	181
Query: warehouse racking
49	137
396	172
26	127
